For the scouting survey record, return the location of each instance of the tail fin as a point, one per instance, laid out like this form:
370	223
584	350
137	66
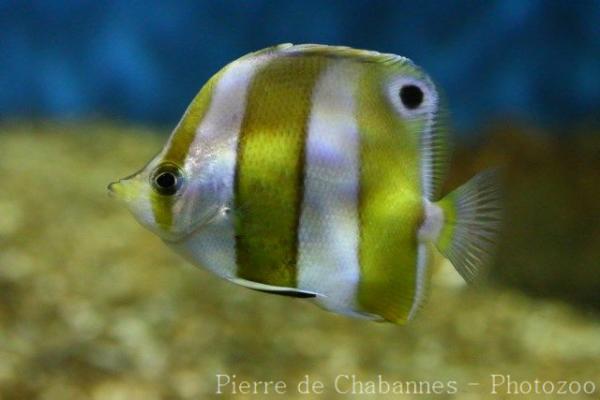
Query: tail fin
471	224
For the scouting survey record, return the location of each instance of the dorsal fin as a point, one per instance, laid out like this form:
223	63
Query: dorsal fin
367	56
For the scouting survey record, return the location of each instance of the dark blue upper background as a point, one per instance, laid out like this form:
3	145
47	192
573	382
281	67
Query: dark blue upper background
537	61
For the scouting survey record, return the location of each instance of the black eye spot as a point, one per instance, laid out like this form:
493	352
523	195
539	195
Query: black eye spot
167	179
411	96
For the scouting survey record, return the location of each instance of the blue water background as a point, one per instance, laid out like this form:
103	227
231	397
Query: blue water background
142	61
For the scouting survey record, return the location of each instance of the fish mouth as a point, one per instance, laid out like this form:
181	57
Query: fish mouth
115	188
111	188
122	190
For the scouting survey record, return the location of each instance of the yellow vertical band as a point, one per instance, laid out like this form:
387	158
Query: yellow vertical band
270	169
390	208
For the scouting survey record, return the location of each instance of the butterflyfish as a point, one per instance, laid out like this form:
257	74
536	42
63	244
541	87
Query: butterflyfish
316	172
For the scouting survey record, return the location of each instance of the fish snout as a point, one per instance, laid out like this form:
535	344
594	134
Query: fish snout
114	188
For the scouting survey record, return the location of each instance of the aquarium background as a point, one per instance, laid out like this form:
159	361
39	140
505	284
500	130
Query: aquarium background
93	306
143	61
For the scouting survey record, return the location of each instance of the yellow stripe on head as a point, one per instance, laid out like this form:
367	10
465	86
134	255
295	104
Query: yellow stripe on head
185	131
269	172
179	145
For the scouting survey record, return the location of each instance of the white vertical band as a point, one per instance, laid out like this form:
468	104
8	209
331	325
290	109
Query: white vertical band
328	232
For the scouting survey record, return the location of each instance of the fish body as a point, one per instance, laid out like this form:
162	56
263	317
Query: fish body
315	171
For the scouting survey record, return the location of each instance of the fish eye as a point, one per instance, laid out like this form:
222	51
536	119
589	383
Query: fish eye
167	179
411	96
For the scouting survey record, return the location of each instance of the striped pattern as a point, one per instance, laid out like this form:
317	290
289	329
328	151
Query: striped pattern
178	147
270	169
323	177
217	133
